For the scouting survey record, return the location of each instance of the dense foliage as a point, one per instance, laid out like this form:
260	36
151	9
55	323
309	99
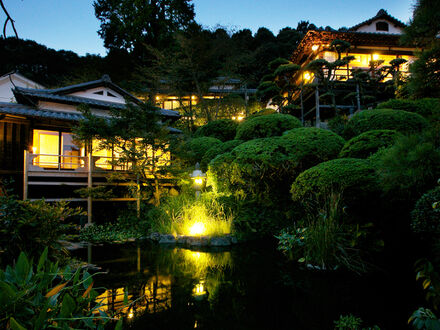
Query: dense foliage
222	129
31	226
426	214
266	126
194	149
426	107
43	296
263	169
367	143
216	150
355	179
401	121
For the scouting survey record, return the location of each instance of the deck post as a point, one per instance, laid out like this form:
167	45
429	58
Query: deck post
89	186
25	175
318	119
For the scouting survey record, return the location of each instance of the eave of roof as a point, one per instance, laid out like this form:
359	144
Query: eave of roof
381	14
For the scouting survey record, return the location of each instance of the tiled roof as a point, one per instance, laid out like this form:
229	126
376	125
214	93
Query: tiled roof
381	14
28	111
233	90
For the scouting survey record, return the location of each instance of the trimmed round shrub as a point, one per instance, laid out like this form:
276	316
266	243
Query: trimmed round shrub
425	218
265	168
266	126
399	120
194	149
263	112
425	107
222	129
216	150
368	143
355	179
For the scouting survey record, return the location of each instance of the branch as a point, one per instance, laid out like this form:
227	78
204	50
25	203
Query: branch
8	19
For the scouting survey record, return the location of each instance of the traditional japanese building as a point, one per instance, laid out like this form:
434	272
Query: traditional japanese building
376	39
37	147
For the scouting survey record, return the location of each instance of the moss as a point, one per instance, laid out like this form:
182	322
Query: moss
222	129
355	179
399	120
368	143
216	150
266	126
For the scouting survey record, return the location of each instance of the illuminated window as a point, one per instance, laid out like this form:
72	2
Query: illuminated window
102	157
46	144
72	150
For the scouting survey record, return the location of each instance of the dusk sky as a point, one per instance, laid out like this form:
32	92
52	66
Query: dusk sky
72	25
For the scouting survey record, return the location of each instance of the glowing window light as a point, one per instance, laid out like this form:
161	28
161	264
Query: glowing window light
375	57
34	150
197	229
315	47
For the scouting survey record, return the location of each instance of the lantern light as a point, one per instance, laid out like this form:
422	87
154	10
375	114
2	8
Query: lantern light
315	48
199	178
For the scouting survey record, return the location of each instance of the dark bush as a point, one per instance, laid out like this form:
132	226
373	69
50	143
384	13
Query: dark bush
222	129
194	149
355	179
426	107
263	112
368	143
266	126
399	120
337	124
263	169
217	150
425	218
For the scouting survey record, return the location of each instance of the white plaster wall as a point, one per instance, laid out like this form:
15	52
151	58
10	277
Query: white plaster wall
372	28
68	108
6	87
90	95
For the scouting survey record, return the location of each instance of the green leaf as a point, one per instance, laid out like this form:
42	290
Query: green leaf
42	260
22	268
119	325
125	296
7	294
15	325
67	306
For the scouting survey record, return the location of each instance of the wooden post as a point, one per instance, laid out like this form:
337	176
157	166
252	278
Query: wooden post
318	119
89	186
25	175
138	198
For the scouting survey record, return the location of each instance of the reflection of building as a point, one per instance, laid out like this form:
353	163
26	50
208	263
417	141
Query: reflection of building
376	39
221	87
37	132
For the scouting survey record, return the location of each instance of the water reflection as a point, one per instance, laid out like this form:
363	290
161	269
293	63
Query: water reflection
152	291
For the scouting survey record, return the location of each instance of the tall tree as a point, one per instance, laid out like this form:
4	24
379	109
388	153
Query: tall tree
129	24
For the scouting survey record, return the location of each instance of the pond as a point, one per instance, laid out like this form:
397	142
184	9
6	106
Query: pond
249	286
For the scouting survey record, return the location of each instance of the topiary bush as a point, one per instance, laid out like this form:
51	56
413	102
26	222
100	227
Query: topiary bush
217	150
425	218
355	179
264	169
368	143
266	126
399	120
426	107
222	129
194	149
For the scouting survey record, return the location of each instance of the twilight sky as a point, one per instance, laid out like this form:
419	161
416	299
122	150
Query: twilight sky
72	25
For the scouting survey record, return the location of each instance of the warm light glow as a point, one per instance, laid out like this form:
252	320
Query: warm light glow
34	150
157	98
375	57
199	290
130	315
240	118
198	181
307	76
315	47
197	229
193	97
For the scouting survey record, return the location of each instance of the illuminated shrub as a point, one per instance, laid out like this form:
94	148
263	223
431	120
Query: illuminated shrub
265	168
425	107
194	149
216	150
399	120
222	129
266	126
368	143
425	218
354	179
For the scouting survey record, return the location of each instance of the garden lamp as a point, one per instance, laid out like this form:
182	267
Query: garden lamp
198	178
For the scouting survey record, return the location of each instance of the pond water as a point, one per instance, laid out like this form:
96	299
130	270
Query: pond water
249	286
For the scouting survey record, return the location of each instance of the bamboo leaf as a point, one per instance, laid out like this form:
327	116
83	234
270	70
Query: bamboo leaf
87	292
55	290
15	325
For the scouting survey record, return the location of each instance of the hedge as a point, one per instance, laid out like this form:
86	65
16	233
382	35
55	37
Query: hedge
355	179
222	129
426	107
216	150
368	143
194	149
425	218
265	168
266	126
399	120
